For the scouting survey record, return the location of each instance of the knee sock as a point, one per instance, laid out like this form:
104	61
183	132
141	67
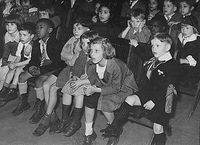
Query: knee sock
39	93
23	87
88	128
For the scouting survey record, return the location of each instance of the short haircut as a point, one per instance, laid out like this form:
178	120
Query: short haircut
161	21
163	37
14	18
138	13
89	35
189	2
174	2
108	49
47	22
49	9
29	27
84	21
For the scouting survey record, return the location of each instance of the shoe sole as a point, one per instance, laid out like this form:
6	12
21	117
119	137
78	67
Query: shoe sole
27	107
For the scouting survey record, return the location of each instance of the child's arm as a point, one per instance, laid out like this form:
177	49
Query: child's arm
143	35
125	32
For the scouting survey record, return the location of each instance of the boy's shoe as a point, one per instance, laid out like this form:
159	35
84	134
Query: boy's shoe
89	139
11	95
3	91
22	105
113	141
39	113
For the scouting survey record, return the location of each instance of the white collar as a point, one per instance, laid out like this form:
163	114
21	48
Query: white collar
42	42
193	37
168	18
165	57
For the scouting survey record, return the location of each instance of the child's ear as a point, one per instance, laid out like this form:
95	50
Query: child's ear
175	8
50	30
32	36
168	47
192	8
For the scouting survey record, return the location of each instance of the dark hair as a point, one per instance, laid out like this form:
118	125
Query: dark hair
174	2
14	18
159	3
108	5
89	35
29	27
49	9
189	2
138	12
108	49
84	21
46	21
163	37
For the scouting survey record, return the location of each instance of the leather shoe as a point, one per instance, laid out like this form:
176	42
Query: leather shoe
113	141
89	139
2	103
11	95
62	125
41	129
54	126
71	129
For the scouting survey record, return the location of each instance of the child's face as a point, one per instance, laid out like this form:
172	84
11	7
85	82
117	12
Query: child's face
155	27
25	36
78	30
159	48
43	14
11	28
26	3
42	30
184	8
135	22
168	8
153	5
187	30
104	14
96	53
84	44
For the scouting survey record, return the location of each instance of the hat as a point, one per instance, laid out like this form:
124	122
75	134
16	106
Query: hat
190	20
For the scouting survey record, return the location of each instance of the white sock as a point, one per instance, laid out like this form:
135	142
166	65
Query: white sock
88	128
39	93
23	88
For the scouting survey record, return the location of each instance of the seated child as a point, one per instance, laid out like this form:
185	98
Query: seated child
70	53
136	28
111	82
45	59
161	73
105	24
23	54
154	7
11	39
188	52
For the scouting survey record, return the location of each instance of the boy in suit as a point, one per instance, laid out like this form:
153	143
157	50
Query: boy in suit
44	61
161	74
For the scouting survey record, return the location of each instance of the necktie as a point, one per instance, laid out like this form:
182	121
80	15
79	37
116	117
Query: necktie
152	64
22	53
43	55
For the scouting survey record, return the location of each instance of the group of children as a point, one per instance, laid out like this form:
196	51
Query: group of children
85	68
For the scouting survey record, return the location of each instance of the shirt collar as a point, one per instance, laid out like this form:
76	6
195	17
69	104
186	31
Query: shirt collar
168	18
187	39
167	56
42	42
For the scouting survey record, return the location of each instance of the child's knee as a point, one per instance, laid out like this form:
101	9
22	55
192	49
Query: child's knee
23	77
157	128
46	86
131	100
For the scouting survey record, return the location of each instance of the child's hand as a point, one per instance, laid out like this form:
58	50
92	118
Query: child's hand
149	105
141	26
90	90
34	71
129	24
133	42
94	19
173	23
75	84
12	65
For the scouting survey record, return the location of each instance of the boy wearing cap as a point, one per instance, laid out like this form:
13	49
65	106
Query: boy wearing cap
188	52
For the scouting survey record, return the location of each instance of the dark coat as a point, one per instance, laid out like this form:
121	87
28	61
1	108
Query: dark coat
53	50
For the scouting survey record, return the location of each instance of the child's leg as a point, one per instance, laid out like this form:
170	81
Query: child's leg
40	111
12	93
75	122
159	135
46	86
50	115
109	116
90	106
23	88
3	72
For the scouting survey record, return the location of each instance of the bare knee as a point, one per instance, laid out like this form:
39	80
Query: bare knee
23	77
131	100
39	82
157	128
